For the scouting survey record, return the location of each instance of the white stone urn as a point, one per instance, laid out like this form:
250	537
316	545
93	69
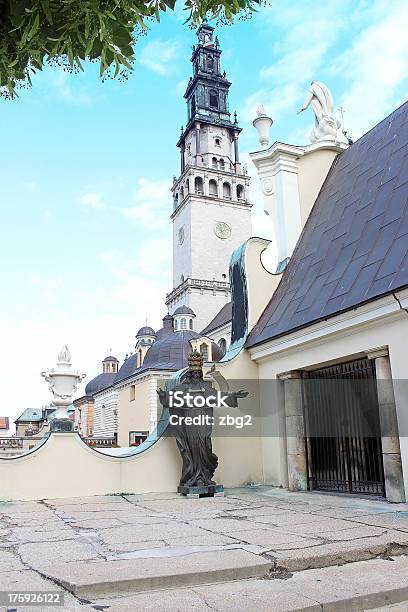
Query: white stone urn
63	383
263	124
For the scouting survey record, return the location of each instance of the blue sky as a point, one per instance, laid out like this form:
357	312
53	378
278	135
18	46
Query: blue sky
86	168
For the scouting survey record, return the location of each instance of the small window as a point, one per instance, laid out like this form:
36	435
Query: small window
198	185
140	357
214	163
213	98
222	164
226	191
210	64
223	345
213	189
183	324
181	194
191	323
193	106
176	324
132	392
217	142
204	351
137	437
240	192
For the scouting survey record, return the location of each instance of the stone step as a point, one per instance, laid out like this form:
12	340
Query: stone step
101	578
354	587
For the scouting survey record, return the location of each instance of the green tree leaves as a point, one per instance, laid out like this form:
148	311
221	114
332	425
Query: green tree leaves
66	32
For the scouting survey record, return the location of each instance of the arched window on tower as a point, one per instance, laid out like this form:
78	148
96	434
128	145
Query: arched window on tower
204	351
213	98
183	324
240	193
213	189
191	323
181	194
222	164
214	163
223	345
210	64
175	200
226	191
193	106
198	185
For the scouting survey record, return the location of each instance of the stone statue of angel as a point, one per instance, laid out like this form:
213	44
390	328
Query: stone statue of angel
327	125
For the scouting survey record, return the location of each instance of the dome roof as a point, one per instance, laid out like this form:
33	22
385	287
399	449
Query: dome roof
146	331
170	352
167	327
184	310
100	382
127	368
111	358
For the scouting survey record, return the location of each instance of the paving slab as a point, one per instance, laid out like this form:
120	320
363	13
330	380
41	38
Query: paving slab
119	577
352	588
42	554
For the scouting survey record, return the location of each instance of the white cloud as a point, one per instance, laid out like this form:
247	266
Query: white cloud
152	203
159	55
92	200
374	68
370	73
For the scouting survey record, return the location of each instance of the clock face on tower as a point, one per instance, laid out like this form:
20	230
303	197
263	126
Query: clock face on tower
222	230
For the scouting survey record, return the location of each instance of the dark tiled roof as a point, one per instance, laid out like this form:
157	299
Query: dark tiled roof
170	352
99	383
127	369
146	331
224	316
184	310
111	358
354	246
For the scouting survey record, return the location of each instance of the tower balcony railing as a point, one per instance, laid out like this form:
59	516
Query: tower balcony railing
197	283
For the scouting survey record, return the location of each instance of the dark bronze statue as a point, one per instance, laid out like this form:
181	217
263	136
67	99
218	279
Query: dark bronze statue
191	406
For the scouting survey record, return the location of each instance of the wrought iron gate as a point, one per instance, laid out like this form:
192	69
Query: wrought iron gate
343	430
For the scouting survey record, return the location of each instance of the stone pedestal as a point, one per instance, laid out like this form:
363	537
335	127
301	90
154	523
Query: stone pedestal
295	431
203	491
391	452
61	425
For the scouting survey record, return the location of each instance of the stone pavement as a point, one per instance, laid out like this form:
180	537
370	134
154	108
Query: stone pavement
117	551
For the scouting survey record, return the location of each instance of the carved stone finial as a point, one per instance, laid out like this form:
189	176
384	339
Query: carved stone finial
64	356
260	111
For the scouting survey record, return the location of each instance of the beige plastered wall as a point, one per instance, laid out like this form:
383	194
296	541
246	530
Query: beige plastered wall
133	415
344	345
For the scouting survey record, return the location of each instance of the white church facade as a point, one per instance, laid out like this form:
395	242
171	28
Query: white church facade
330	307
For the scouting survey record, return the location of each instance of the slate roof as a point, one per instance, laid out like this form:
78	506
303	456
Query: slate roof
111	358
99	383
146	331
224	316
184	310
127	369
34	414
354	246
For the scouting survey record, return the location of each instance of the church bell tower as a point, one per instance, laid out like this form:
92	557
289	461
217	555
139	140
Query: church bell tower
211	211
